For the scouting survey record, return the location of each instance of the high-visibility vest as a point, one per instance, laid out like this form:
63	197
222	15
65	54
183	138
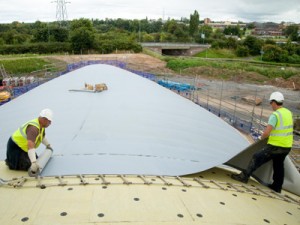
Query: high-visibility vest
20	136
282	134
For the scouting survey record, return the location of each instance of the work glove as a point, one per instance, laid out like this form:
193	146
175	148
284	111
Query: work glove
32	155
49	147
47	144
34	169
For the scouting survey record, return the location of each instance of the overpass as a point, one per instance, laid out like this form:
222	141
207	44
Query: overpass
187	49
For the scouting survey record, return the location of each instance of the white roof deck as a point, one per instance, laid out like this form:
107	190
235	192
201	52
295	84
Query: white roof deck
134	127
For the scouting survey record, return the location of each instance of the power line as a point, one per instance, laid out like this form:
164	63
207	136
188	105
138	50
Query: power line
61	11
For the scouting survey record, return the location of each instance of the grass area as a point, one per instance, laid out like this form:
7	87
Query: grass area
18	56
25	65
216	53
17	65
269	70
153	54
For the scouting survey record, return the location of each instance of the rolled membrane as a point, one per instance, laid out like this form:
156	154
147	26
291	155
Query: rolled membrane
42	162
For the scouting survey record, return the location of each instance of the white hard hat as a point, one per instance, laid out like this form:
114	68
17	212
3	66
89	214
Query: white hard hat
277	96
47	113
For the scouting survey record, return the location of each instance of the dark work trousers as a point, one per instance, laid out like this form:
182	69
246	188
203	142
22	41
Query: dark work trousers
16	158
270	152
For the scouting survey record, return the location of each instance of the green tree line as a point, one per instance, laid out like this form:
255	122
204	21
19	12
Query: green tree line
106	36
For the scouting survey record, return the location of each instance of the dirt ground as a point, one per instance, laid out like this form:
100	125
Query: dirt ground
139	62
147	63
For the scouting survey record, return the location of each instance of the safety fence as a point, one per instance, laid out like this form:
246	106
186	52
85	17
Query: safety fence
77	65
17	91
226	102
243	120
245	125
116	63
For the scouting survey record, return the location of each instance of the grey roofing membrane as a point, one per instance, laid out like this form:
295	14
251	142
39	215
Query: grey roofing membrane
134	127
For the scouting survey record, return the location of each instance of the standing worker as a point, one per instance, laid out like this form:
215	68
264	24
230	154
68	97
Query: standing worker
22	145
279	132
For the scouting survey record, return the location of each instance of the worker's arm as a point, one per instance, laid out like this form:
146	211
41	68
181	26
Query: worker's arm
271	124
47	144
267	131
30	144
32	132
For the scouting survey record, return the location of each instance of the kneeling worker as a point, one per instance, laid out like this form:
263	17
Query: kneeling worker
22	144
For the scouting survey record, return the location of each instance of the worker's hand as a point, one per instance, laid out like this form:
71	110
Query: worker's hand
46	143
49	147
259	138
34	169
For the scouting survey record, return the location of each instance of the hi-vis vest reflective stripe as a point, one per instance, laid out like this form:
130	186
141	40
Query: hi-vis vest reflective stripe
282	134
20	136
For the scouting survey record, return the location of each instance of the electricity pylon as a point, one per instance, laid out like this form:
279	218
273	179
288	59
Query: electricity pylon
61	12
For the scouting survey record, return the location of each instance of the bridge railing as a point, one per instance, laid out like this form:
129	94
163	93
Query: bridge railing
170	44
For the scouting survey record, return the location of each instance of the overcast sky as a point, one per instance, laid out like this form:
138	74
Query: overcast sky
216	10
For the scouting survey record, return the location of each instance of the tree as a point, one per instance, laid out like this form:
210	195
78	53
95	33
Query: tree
82	35
176	32
181	35
274	53
251	26
59	34
116	39
166	37
231	43
82	39
292	32
194	24
2	42
78	23
205	33
170	26
12	37
148	38
254	45
41	34
219	44
290	47
270	42
242	51
232	30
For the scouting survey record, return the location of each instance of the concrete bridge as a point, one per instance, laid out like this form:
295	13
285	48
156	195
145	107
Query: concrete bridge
175	48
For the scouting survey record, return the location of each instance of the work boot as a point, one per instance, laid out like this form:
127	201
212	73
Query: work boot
240	177
276	189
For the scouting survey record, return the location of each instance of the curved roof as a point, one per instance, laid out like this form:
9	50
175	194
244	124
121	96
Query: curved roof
134	127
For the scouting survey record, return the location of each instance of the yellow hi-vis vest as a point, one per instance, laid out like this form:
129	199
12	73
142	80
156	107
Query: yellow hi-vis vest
20	136
282	134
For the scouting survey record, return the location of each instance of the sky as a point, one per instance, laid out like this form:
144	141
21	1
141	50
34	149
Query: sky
217	10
